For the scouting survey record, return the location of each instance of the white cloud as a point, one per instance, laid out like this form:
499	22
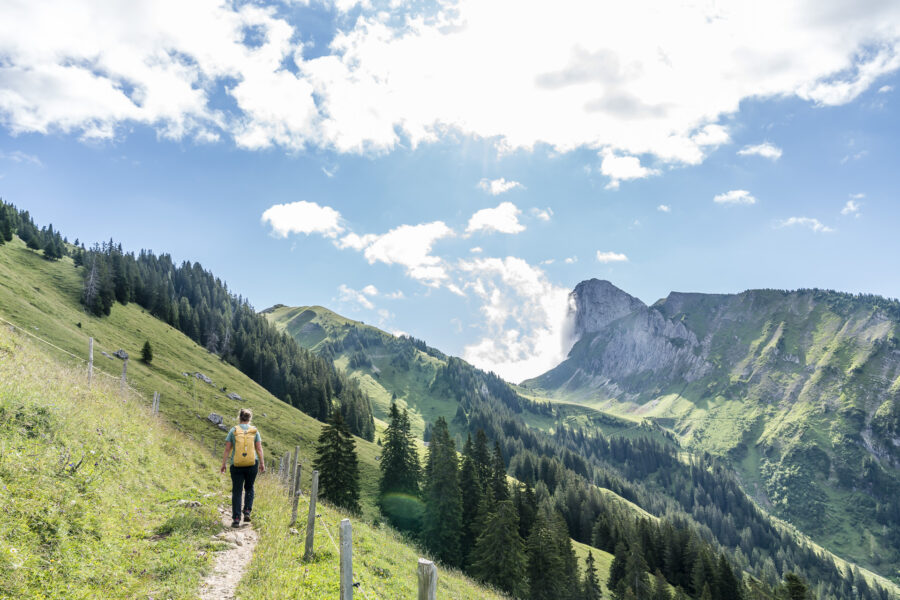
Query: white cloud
503	219
330	173
885	89
370	290
349	295
857	196
303	217
476	250
410	246
654	79
355	241
542	214
664	208
765	150
623	168
18	156
813	224
525	318
495	187
610	257
851	208
398	295
735	197
571	260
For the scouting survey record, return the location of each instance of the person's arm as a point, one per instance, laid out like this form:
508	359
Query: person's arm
225	456
259	453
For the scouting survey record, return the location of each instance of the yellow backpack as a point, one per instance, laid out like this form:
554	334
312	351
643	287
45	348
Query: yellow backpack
244	447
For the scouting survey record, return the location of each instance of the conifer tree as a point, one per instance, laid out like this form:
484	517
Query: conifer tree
617	568
591	586
147	352
526	506
482	458
660	587
499	554
499	487
545	566
442	522
337	464
793	588
398	489
636	573
471	490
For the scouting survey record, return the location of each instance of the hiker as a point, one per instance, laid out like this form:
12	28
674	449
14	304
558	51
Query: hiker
244	447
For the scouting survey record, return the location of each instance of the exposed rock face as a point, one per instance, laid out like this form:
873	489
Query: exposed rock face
598	303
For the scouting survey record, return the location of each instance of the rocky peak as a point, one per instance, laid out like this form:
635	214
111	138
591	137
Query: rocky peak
597	303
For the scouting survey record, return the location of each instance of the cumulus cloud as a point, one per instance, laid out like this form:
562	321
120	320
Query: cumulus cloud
664	208
303	217
495	187
410	246
502	219
623	168
634	80
526	317
571	260
610	257
735	197
765	150
808	222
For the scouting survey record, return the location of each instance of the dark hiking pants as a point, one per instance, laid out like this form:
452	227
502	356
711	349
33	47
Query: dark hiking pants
242	479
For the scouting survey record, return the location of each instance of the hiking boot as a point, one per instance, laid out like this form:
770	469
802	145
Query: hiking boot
246	517
236	523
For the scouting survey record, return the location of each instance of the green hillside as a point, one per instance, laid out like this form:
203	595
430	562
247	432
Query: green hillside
797	390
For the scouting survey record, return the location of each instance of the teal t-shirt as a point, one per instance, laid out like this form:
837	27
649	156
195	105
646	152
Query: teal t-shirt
230	438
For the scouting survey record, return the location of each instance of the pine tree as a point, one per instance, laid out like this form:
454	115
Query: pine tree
526	505
591	585
499	554
482	457
398	489
660	587
545	566
636	573
147	352
442	523
617	568
6	225
794	588
337	464
499	487
471	490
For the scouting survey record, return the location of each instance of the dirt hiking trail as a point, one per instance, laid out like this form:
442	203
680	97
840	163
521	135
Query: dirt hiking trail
230	563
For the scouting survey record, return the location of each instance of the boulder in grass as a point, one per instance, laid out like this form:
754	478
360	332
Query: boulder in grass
215	419
121	354
203	378
222	426
233	396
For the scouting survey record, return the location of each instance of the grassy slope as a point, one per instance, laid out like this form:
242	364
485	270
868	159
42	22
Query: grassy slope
90	488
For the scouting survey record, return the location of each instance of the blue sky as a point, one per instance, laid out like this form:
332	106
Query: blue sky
451	171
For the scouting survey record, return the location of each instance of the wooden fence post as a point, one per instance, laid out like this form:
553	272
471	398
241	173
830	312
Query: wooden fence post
311	519
427	580
90	362
295	485
346	560
124	371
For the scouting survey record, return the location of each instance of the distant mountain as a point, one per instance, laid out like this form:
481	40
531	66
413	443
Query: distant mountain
799	390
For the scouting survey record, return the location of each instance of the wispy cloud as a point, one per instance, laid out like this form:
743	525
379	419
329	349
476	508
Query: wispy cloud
571	260
765	150
351	296
885	89
610	257
495	187
852	206
808	222
18	156
664	208
543	214
735	197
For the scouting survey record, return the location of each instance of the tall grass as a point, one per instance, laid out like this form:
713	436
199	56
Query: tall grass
90	486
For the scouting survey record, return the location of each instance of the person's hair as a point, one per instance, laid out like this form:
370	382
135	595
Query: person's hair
245	415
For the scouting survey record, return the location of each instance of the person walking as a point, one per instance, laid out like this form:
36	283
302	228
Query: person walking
243	446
